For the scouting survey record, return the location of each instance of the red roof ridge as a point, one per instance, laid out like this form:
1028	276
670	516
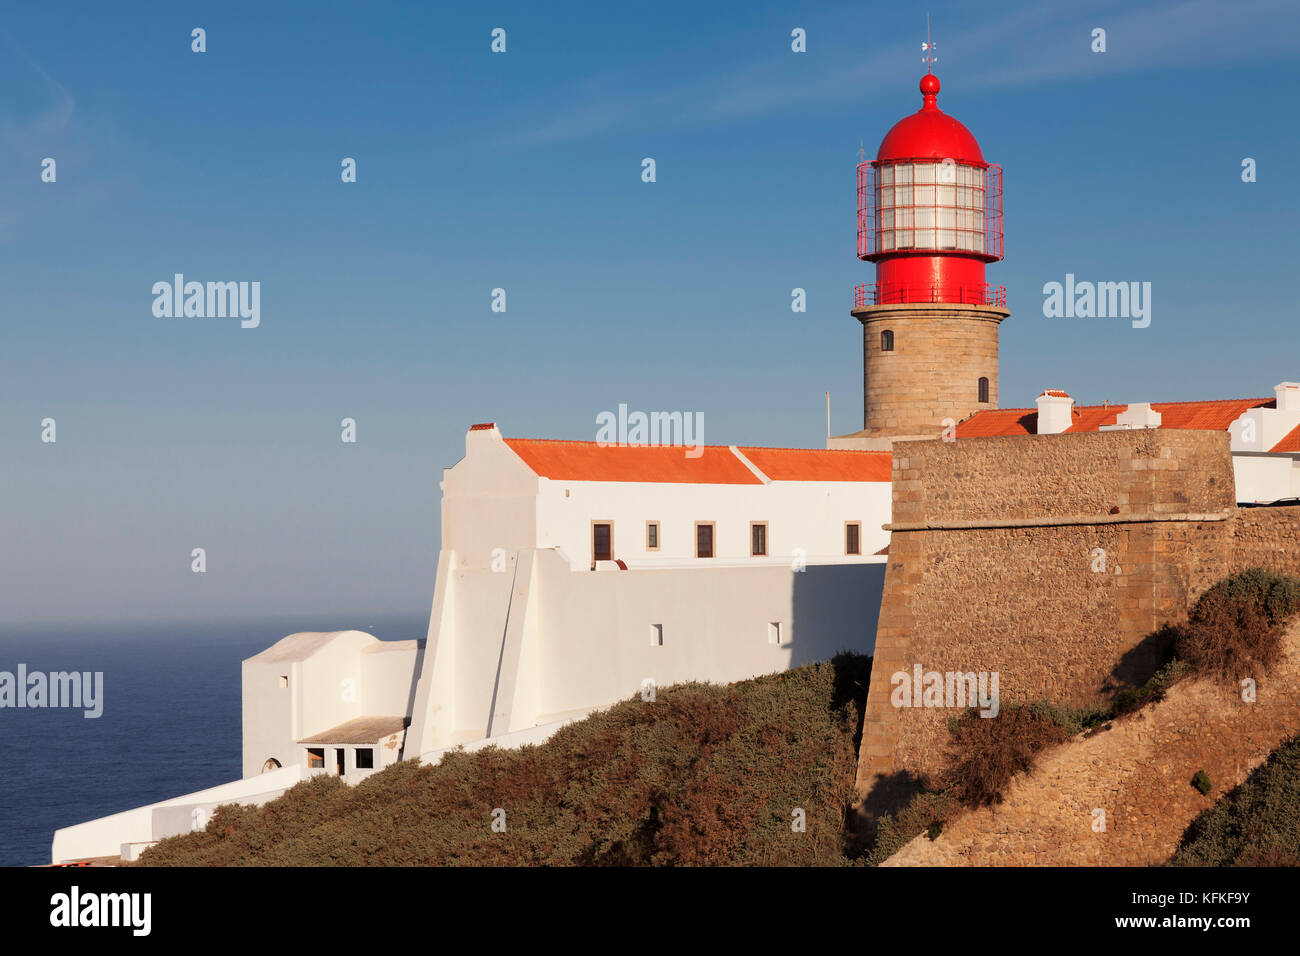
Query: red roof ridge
585	441
610	444
1077	406
852	451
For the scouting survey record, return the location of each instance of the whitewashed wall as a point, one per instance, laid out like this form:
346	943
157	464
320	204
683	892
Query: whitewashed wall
540	642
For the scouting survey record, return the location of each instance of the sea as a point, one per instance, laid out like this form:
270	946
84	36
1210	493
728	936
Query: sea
170	723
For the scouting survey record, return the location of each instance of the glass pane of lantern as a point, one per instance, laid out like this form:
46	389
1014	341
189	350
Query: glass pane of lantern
885	175
924	236
925	172
902	195
924	194
904	238
886	219
886	196
947	195
963	195
963	175
903	173
903	216
886	240
947	234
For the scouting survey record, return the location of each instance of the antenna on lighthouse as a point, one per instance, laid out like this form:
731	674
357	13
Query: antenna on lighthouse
928	48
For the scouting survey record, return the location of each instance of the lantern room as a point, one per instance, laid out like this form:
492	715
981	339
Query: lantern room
929	212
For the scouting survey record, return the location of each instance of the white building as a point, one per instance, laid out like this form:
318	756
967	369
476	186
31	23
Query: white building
572	575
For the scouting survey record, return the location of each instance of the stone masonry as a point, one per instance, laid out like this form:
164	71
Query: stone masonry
1048	559
940	353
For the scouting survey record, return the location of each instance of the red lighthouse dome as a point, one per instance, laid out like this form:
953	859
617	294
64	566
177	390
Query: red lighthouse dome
930	133
929	212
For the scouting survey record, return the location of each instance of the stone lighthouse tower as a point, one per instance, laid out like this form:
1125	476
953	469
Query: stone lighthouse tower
930	218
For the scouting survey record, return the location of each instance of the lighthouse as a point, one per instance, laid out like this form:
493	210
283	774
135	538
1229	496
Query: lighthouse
930	219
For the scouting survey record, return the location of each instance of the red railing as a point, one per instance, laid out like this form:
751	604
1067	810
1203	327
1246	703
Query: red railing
871	293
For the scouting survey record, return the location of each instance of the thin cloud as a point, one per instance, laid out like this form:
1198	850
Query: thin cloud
1028	46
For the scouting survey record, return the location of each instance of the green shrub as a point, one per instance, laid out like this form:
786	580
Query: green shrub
1201	781
922	814
1254	824
1073	720
1133	698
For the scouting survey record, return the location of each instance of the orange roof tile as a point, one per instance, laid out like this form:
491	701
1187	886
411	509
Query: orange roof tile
591	461
1210	416
1290	443
816	464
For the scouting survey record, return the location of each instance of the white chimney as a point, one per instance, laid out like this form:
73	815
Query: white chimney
485	431
1055	412
1288	397
1138	415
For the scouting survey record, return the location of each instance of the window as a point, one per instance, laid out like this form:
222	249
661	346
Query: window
365	758
984	390
656	635
853	537
270	765
774	632
602	541
704	539
652	535
284	680
315	756
338	760
887	340
758	538
929	205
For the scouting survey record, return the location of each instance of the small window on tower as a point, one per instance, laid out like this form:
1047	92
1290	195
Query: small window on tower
984	390
758	538
652	535
852	537
887	341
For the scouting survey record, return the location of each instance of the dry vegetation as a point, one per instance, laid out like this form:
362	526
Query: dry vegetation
1236	627
710	775
705	775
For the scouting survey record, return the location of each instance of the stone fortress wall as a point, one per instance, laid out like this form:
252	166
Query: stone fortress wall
1051	560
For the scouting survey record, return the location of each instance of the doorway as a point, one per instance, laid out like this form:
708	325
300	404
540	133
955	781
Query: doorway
602	541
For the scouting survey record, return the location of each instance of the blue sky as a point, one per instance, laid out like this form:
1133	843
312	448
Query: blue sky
522	171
